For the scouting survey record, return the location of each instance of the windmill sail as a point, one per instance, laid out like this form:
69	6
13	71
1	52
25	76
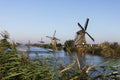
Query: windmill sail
54	33
86	24
49	37
90	36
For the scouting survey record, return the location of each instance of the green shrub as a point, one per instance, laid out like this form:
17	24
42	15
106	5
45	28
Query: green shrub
14	67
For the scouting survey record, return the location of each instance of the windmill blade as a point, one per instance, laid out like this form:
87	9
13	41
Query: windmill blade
49	37
41	41
81	26
57	39
90	36
86	24
54	33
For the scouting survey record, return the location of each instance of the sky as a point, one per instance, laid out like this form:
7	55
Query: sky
34	19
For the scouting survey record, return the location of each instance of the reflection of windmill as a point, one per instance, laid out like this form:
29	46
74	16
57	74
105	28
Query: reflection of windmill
80	38
41	41
53	40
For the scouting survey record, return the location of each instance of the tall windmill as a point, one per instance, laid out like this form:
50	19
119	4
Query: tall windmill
80	38
53	40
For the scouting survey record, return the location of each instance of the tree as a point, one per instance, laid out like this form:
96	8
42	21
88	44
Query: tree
69	43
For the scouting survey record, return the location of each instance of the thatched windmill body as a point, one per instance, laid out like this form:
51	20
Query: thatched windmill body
80	39
53	40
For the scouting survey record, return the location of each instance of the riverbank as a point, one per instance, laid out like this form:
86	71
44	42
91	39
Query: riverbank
101	51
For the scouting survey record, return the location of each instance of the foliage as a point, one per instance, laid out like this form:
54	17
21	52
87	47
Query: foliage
105	49
5	35
106	71
94	50
14	66
69	43
4	44
109	49
71	72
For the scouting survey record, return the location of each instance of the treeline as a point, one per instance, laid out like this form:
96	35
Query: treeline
47	46
106	49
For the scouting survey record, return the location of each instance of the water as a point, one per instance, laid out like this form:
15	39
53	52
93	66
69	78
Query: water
61	56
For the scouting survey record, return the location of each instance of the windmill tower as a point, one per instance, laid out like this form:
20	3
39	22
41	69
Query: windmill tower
53	40
80	37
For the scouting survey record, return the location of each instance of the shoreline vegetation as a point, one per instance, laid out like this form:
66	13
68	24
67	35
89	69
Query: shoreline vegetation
105	49
14	66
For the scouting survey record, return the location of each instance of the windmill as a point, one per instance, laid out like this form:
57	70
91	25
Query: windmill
80	38
53	40
41	41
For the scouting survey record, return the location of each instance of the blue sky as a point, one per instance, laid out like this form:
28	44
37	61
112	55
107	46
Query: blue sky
32	19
